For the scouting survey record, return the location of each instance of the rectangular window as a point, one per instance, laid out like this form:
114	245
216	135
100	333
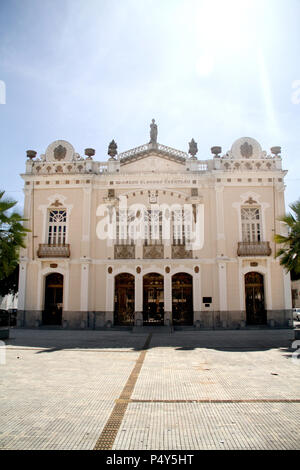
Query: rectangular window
251	224
57	227
152	227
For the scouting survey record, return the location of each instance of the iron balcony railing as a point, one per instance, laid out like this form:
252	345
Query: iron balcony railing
124	251
254	249
47	250
180	252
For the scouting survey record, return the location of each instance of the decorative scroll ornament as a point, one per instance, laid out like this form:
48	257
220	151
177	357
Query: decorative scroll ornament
246	150
60	152
193	148
250	201
112	149
56	203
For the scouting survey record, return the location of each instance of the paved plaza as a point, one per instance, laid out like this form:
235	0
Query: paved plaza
182	390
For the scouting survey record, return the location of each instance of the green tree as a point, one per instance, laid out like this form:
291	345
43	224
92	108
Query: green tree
290	251
12	235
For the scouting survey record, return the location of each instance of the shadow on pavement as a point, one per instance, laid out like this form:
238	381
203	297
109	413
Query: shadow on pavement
48	341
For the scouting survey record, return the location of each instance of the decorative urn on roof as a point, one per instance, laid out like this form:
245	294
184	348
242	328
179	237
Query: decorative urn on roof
193	149
31	154
112	150
216	151
89	153
276	150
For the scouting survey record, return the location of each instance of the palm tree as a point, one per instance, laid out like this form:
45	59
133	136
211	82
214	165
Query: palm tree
12	234
290	251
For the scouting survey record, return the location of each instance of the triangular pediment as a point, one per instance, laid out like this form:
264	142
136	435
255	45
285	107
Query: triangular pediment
152	157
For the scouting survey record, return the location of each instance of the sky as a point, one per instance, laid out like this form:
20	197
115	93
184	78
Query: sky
89	71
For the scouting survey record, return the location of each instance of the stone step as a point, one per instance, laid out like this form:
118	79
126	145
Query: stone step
151	329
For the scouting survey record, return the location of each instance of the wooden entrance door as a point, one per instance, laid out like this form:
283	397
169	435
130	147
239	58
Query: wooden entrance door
52	314
255	301
124	299
153	299
182	299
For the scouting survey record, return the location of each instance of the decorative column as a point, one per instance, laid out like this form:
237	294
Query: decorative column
222	273
86	223
110	293
220	220
222	269
138	298
168	320
85	255
197	296
287	290
84	296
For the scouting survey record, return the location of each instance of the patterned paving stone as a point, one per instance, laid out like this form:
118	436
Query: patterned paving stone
190	426
211	390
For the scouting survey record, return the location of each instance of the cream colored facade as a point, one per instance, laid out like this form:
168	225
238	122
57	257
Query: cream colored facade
218	190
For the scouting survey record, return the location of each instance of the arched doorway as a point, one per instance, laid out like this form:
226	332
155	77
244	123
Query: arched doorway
153	299
124	299
54	286
182	299
255	300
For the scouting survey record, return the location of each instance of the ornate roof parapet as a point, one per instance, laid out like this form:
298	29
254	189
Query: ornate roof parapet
245	155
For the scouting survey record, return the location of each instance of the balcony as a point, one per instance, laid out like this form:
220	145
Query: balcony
53	251
254	249
153	251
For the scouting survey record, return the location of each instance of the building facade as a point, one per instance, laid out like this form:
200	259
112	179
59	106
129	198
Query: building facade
153	236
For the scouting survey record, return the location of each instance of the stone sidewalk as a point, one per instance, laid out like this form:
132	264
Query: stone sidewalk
172	391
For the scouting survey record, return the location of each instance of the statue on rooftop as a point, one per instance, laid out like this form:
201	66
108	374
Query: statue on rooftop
153	132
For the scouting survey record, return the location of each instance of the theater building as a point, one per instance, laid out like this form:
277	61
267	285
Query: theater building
153	236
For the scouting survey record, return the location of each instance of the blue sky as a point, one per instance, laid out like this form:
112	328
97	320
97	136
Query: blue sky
88	71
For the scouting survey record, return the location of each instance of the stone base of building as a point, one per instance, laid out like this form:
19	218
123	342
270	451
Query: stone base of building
211	320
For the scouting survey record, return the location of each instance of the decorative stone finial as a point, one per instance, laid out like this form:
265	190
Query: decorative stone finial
31	154
216	151
276	150
193	148
112	149
89	153
153	132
